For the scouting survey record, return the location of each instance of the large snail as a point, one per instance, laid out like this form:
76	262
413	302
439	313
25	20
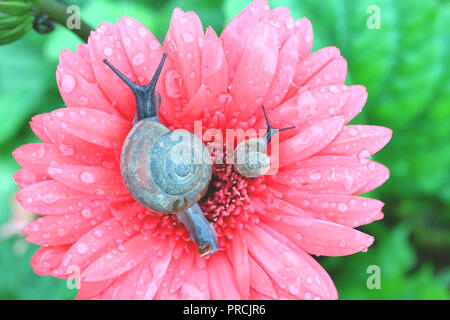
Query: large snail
166	171
250	157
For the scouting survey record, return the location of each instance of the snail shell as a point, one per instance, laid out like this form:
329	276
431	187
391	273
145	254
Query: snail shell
250	158
165	171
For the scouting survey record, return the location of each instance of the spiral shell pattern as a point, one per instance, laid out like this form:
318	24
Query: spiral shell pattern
165	171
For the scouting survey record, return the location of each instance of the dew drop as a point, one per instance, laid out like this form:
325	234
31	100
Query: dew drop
154	45
82	248
290	23
315	176
68	83
87	177
66	150
138	59
342	207
86	212
188	38
108	51
83	101
142	31
126	41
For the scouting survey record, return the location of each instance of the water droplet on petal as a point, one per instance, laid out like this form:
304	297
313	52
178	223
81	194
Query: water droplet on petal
86	212
342	207
108	51
315	176
68	83
154	45
188	38
138	59
66	150
87	177
82	248
142	31
290	23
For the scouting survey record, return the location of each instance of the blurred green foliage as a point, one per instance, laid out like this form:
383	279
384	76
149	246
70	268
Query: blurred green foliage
405	66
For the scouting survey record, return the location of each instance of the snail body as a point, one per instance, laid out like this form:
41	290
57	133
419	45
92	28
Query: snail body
167	171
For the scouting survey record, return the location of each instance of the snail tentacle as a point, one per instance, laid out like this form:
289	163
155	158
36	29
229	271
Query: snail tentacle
147	102
271	130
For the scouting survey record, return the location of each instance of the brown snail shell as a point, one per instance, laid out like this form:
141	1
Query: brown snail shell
165	171
251	159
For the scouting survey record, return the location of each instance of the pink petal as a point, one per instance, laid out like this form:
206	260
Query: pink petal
214	63
196	105
53	198
38	127
196	285
116	261
143	50
182	45
350	211
304	32
321	237
292	269
259	280
157	261
36	157
307	107
282	21
221	280
72	146
255	72
175	276
127	286
57	230
334	72
94	126
310	141
103	43
287	62
24	178
241	265
355	103
360	140
46	259
237	31
91	289
94	180
77	84
92	244
333	174
313	64
273	208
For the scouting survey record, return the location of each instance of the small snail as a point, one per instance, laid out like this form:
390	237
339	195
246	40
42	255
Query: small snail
166	171
250	157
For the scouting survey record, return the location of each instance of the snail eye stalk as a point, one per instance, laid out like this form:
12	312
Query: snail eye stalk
147	102
270	129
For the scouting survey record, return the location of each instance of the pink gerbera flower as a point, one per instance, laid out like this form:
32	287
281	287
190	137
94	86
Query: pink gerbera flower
266	227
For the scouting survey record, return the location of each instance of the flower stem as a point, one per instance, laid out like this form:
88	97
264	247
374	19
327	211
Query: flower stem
57	12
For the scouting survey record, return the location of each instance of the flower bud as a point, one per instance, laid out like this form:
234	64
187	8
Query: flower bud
15	20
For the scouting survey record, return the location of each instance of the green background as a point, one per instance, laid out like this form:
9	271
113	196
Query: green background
405	66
